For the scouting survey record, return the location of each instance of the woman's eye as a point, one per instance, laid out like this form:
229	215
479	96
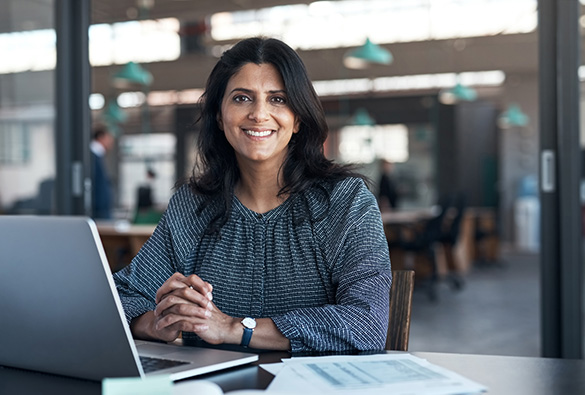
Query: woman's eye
241	98
279	100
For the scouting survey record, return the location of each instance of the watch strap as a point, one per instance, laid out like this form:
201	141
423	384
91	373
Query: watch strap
247	336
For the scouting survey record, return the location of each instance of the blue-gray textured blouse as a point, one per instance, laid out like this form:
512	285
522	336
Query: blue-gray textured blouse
324	281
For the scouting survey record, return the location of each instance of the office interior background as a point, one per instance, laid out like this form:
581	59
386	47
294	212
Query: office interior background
479	96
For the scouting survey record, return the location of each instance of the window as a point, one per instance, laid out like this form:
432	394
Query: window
14	143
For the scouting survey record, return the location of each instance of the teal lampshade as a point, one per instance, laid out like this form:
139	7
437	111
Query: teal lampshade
368	53
361	117
513	116
456	94
113	113
132	73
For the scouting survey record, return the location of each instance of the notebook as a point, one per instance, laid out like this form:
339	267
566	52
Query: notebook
61	312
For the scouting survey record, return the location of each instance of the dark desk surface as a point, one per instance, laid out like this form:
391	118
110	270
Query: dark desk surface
502	375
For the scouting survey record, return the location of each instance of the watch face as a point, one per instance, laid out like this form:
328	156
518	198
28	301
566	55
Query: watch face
249	322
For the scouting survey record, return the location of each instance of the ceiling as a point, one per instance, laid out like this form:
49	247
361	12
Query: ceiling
514	54
22	15
110	11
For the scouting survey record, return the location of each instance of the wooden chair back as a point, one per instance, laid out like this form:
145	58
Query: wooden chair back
400	309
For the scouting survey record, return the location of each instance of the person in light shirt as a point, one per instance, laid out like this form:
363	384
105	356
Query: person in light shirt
269	244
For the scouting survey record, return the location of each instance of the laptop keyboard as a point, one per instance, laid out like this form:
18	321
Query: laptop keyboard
153	364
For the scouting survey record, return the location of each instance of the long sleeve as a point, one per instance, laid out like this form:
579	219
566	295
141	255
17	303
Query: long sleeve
170	249
138	282
358	319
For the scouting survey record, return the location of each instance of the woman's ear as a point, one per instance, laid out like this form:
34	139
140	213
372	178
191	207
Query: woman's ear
297	125
219	121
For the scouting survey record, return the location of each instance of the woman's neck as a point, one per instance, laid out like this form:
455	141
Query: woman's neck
258	189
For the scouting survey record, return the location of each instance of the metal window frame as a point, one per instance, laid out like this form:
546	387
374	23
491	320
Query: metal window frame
561	240
73	117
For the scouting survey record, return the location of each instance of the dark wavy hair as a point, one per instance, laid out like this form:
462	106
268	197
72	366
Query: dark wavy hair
216	171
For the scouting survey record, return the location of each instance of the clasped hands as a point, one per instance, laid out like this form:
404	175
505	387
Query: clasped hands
186	304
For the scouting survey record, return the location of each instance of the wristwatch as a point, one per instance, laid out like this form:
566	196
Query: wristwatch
249	324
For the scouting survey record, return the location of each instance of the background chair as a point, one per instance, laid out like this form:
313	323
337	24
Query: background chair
420	240
449	237
400	309
486	238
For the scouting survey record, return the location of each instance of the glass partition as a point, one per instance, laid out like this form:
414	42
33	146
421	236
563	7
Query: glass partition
27	114
581	172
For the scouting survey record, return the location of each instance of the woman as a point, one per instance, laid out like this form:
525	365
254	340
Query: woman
270	245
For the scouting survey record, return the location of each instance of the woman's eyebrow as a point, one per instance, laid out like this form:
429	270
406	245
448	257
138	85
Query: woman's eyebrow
241	90
249	91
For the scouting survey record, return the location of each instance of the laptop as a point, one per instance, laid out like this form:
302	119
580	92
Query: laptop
61	313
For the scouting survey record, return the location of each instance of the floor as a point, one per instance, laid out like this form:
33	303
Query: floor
496	312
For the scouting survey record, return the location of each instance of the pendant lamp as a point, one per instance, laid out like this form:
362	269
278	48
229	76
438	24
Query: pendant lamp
362	57
113	113
513	116
361	117
457	93
113	116
132	74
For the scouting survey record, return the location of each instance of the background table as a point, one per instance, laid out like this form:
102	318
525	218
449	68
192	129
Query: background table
478	239
122	241
406	224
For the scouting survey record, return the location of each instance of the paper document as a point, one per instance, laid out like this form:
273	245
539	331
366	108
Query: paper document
381	373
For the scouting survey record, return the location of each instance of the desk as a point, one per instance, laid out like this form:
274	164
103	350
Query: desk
406	224
468	249
122	241
407	217
502	375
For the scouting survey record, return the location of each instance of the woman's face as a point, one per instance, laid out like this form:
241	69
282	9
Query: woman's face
255	115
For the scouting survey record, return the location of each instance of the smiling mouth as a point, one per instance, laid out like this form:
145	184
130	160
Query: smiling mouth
258	133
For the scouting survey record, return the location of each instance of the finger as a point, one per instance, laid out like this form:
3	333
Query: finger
178	305
199	285
188	312
185	295
176	281
176	322
193	295
169	333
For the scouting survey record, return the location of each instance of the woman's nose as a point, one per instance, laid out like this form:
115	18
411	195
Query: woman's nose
259	112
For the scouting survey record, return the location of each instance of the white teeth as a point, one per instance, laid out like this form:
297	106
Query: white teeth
258	134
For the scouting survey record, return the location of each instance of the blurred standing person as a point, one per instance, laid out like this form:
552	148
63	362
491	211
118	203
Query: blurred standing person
144	199
388	192
146	211
101	143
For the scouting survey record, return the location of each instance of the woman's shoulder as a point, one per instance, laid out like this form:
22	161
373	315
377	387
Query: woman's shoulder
350	204
338	187
328	197
184	194
350	191
187	209
350	185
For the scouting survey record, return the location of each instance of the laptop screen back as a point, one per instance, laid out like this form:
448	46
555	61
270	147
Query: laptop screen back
60	311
